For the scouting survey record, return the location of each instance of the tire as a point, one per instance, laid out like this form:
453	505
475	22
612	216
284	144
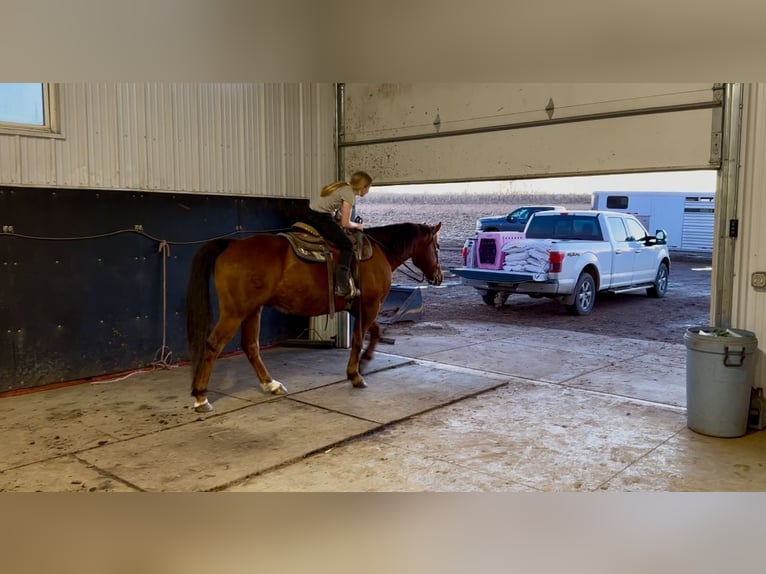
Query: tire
585	295
660	282
489	297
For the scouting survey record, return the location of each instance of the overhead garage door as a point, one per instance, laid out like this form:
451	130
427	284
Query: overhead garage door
415	133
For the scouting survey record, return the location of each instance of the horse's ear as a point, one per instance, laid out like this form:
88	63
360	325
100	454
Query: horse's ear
437	227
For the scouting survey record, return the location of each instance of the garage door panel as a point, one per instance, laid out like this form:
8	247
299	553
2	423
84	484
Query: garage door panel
374	111
654	142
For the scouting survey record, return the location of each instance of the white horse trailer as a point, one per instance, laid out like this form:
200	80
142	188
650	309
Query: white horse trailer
688	217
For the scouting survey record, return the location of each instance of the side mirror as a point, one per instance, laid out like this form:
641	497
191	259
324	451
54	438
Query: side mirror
660	237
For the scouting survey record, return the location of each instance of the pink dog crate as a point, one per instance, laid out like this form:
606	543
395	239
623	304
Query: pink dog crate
489	253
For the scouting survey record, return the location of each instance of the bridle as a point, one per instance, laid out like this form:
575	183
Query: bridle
412	273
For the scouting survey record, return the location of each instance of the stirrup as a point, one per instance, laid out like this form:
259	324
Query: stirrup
348	291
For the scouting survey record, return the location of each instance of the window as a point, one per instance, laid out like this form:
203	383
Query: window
617	202
636	232
618	229
28	109
521	214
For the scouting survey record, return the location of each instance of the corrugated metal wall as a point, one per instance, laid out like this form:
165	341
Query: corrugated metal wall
749	303
274	140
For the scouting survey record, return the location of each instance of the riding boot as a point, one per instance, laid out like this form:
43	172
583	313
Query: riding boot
344	286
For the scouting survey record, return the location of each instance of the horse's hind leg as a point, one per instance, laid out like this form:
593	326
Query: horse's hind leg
369	351
251	329
361	326
224	330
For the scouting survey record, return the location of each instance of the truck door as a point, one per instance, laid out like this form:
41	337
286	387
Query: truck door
622	262
644	259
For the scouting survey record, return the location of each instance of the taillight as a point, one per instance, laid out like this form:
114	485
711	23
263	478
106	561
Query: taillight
555	259
465	256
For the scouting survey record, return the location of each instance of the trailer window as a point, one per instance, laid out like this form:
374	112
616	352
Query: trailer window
617	202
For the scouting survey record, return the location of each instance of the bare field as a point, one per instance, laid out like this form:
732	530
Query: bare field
457	214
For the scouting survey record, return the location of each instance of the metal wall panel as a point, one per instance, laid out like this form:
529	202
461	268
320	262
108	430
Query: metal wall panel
102	135
555	130
749	303
72	168
10	166
274	140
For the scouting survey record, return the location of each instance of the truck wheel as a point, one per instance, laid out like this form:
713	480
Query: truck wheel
660	283
584	295
489	297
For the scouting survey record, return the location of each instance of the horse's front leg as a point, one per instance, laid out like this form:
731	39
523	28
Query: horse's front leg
251	328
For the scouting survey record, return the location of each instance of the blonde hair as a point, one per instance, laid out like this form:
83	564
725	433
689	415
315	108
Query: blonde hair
356	179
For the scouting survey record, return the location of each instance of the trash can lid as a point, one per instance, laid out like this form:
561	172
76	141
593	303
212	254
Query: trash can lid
711	339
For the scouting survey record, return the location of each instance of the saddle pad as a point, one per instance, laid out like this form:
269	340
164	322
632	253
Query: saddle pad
309	245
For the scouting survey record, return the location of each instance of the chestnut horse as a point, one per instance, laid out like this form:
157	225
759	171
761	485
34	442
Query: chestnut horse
263	271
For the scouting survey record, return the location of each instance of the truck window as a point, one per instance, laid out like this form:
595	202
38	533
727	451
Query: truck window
540	227
521	214
636	231
617	227
587	229
576	227
617	202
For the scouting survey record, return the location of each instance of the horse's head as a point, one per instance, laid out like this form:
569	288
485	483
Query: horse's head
426	255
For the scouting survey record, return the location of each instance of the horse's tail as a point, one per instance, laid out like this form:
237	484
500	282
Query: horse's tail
198	310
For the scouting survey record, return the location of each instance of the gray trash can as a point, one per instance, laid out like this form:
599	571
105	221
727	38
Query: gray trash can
719	376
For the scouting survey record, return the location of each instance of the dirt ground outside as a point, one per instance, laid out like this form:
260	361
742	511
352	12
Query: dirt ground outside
629	315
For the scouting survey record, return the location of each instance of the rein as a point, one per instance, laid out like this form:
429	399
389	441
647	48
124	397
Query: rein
412	273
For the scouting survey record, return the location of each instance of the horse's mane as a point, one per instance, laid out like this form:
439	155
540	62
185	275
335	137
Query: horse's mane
398	238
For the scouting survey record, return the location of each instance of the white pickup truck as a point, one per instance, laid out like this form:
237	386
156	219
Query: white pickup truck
568	256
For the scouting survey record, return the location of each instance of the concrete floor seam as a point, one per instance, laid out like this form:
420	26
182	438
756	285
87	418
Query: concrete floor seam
286	463
538	381
633	463
106	473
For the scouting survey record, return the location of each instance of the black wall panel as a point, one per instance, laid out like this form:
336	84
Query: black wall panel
81	277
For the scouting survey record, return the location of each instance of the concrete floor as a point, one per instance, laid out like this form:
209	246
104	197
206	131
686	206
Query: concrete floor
460	407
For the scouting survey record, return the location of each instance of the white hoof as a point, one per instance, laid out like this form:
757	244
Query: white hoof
274	387
203	406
